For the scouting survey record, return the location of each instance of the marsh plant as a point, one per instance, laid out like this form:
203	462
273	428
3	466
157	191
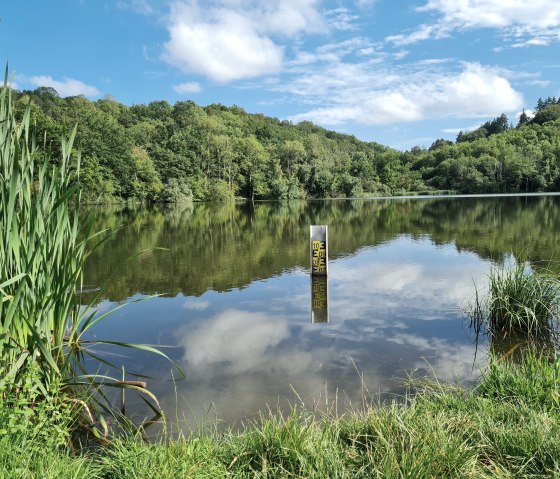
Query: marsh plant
518	305
44	243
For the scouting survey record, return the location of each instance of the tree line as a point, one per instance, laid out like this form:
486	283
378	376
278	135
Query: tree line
159	152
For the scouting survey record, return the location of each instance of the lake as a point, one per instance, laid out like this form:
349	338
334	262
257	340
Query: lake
234	304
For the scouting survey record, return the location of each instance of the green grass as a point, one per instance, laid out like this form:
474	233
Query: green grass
24	455
507	426
520	304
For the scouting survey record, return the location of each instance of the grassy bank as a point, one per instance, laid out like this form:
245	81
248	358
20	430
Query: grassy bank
508	426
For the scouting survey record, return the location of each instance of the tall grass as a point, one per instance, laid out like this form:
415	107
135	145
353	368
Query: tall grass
41	255
44	243
508	426
519	303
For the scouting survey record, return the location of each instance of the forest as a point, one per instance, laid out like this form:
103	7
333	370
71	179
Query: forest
169	153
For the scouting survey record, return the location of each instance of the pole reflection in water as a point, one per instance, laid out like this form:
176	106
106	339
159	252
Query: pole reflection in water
319	299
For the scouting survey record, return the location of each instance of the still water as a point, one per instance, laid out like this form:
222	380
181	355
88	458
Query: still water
234	304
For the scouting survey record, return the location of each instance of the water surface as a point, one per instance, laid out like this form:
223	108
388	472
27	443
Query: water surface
235	304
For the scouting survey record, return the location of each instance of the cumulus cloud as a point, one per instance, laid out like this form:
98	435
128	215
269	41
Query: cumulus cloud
187	87
369	94
227	40
65	87
528	23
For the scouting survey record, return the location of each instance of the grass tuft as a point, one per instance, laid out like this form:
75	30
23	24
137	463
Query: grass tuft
519	304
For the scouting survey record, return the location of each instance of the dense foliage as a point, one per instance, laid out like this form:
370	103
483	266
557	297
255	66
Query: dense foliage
163	152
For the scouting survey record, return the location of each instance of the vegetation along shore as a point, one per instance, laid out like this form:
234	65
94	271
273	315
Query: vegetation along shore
165	153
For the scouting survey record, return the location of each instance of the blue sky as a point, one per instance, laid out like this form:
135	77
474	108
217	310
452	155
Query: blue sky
399	72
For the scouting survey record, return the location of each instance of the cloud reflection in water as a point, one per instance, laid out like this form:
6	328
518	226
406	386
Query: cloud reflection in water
393	309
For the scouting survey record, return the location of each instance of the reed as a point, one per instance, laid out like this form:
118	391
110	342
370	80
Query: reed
44	242
41	255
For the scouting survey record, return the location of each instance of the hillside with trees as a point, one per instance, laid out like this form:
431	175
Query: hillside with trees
166	153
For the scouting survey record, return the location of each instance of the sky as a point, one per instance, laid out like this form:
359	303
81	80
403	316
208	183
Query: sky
402	73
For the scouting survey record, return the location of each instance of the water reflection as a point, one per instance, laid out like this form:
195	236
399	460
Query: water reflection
515	347
234	341
237	295
226	246
319	299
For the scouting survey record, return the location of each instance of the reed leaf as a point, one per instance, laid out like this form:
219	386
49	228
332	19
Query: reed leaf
44	243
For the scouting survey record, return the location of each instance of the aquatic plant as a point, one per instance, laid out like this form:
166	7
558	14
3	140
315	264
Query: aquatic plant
519	303
44	242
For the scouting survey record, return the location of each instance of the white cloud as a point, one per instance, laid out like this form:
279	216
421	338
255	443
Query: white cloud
424	32
371	94
187	87
538	14
400	54
66	87
365	3
342	19
229	40
138	6
333	53
457	130
223	49
528	23
537	41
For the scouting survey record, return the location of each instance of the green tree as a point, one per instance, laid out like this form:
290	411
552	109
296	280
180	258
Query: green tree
147	184
252	159
523	119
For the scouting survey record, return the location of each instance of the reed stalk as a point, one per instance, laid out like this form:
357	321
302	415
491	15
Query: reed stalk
44	242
